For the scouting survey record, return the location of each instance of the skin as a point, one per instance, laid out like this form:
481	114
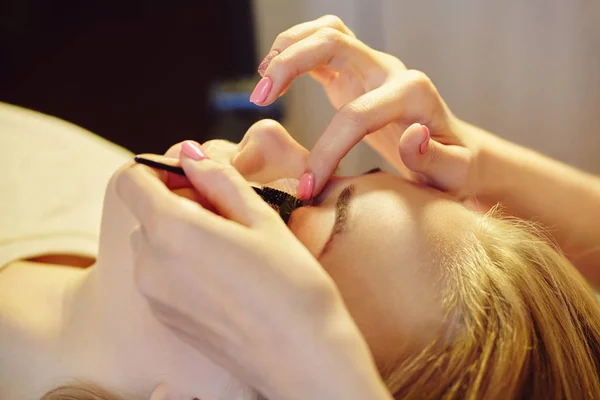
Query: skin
382	262
377	273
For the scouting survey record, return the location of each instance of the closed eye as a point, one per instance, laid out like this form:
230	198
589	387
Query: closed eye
372	171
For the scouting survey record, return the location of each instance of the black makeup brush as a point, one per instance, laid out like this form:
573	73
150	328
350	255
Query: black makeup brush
283	202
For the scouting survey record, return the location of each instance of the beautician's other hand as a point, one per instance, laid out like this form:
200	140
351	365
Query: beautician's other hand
239	287
399	112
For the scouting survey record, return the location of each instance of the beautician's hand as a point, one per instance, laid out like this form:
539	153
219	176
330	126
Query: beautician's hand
240	288
399	112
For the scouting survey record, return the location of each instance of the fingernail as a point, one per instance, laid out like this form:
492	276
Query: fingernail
306	186
425	142
264	64
192	150
261	91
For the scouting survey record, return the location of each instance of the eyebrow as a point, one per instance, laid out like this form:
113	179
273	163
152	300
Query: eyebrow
341	217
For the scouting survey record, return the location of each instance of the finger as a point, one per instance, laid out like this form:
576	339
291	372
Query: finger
173	179
368	113
169	222
227	191
174	150
299	32
305	29
219	150
443	166
149	200
325	48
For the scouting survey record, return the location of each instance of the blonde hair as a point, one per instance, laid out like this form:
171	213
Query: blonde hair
523	324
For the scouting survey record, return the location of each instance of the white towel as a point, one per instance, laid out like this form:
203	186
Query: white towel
52	180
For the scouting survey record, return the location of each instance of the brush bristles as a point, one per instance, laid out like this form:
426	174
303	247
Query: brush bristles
282	202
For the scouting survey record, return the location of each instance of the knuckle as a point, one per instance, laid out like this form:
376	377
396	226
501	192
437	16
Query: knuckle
419	82
334	21
331	36
285	67
392	62
279	63
121	178
286	39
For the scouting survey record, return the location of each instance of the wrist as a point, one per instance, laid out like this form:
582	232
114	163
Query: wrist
493	160
352	370
327	358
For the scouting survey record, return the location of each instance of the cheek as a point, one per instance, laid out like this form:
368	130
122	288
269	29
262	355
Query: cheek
312	226
387	286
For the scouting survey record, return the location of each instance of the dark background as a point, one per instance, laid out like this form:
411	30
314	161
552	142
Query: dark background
137	72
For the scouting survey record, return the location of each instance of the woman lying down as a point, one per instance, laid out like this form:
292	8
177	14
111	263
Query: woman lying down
451	302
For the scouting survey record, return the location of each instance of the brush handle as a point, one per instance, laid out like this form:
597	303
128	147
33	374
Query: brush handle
271	196
173	169
159	165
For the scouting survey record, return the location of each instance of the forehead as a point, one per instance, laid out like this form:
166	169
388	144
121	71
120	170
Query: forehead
392	221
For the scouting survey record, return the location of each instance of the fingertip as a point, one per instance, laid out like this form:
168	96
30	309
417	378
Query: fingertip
306	186
192	150
415	138
322	162
413	144
262	91
174	150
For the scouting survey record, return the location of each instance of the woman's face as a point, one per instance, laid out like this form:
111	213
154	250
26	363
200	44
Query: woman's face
381	238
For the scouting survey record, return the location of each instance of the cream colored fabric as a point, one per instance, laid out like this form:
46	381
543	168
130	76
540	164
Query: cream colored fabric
52	181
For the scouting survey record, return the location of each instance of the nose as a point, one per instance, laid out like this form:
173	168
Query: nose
268	152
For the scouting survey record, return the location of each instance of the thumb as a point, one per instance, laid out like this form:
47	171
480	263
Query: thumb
443	166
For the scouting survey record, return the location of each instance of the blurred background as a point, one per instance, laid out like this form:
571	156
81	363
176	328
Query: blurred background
146	74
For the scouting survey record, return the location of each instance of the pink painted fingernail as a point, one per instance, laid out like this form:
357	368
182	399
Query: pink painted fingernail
425	142
264	64
261	91
306	186
192	150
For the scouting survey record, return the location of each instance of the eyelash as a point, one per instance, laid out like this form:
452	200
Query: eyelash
372	171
